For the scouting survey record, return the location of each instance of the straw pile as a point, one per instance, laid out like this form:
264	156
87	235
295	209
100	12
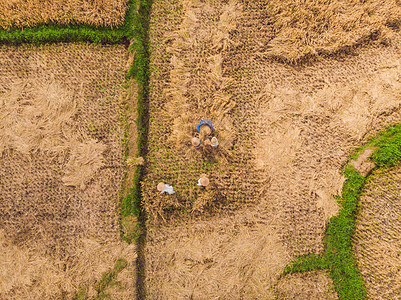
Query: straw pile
305	29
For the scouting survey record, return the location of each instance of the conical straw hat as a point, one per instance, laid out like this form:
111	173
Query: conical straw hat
160	186
196	142
204	129
204	181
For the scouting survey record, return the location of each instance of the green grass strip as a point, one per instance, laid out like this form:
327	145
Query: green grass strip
389	147
338	257
305	263
132	203
72	33
140	71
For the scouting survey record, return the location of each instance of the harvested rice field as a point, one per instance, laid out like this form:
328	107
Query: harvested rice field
61	170
310	285
293	88
285	131
377	238
21	13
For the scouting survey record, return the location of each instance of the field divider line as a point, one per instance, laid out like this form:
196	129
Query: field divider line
139	70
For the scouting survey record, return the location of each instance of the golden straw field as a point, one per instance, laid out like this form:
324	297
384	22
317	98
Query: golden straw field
288	111
377	237
21	13
293	88
61	169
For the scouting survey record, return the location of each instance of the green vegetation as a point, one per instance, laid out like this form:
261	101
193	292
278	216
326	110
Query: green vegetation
140	71
109	279
54	34
72	33
338	257
389	147
132	203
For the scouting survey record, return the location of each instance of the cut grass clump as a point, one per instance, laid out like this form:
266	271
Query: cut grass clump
338	257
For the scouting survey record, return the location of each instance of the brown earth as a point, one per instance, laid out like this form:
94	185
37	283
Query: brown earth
363	164
297	126
23	13
377	237
61	169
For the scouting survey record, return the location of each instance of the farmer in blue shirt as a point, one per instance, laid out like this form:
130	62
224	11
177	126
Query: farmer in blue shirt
205	128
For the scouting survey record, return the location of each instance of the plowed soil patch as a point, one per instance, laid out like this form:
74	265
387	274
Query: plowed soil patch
61	168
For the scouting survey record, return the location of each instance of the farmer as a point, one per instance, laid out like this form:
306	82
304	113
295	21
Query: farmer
196	142
162	187
214	142
203	180
205	127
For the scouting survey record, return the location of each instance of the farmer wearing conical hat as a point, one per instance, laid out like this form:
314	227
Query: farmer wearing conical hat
205	127
214	142
196	142
203	180
165	188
